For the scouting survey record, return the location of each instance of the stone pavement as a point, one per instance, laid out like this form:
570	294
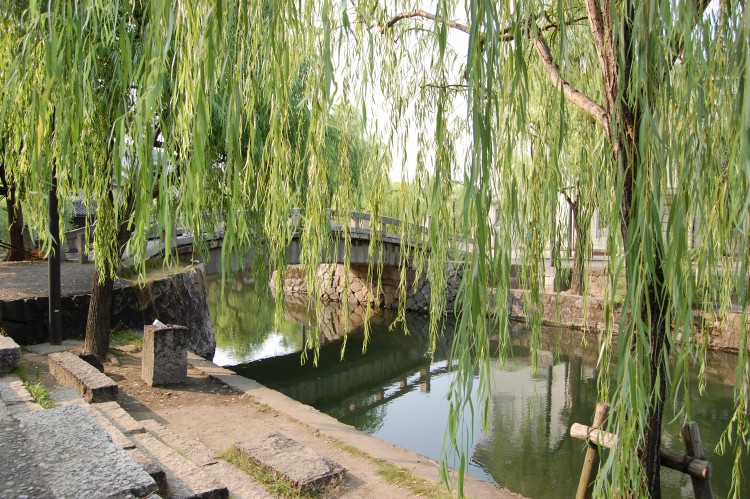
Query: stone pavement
31	279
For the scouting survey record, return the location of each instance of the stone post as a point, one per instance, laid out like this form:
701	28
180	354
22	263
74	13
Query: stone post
165	355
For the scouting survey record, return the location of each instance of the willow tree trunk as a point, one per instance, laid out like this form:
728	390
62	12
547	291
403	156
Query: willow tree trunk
19	245
98	322
656	300
577	283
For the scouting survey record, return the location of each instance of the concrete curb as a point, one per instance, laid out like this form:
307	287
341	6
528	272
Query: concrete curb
330	427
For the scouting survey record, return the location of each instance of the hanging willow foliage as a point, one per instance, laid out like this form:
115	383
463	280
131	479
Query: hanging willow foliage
643	108
191	109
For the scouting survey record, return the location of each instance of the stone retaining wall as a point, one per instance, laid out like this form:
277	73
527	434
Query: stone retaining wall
566	310
558	309
332	279
179	299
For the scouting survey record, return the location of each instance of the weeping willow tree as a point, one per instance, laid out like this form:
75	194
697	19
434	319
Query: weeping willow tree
665	85
155	112
150	110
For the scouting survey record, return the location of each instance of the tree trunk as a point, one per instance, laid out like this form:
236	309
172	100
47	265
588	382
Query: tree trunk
19	244
577	280
16	253
654	306
98	322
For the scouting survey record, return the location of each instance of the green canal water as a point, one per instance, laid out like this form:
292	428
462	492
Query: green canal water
396	394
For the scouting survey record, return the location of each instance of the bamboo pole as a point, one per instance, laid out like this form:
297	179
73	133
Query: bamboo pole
693	466
691	437
591	462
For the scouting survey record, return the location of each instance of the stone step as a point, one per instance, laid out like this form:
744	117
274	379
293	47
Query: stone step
296	463
101	414
240	485
16	398
120	418
66	395
116	436
10	354
154	470
186	479
77	458
193	450
92	385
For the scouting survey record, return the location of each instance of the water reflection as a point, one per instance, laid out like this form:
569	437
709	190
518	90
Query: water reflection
394	392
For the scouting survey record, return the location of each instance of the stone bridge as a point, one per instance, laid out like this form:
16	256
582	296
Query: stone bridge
361	227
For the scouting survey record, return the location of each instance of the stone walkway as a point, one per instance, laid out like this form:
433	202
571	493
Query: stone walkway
217	409
31	279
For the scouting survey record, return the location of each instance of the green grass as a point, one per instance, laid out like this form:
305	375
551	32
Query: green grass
274	483
127	336
36	389
397	475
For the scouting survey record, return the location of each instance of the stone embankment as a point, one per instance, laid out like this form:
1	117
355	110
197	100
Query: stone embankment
180	298
557	309
332	287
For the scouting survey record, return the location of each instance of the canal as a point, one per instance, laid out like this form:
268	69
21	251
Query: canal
397	394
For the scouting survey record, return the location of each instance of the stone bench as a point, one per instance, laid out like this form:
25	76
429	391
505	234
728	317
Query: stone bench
10	354
92	385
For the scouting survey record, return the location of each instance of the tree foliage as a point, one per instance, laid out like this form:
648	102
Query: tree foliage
664	83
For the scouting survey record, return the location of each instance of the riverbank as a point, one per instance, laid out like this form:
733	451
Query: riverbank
219	408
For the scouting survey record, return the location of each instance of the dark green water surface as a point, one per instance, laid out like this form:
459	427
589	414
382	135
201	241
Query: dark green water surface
395	393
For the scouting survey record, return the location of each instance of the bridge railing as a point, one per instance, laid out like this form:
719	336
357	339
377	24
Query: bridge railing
388	227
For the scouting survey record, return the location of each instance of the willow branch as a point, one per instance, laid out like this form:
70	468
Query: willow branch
572	95
506	34
421	14
456	87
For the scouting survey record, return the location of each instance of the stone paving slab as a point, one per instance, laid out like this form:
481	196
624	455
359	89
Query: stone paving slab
71	370
30	279
292	460
16	398
76	457
19	475
186	479
10	354
46	348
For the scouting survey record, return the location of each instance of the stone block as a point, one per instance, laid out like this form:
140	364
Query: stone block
292	460
93	360
92	385
165	355
77	458
10	354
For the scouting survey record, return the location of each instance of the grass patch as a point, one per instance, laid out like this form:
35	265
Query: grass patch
274	483
128	337
397	475
36	389
265	408
407	480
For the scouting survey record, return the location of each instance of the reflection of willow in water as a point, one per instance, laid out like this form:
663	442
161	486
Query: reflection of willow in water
395	392
531	415
243	319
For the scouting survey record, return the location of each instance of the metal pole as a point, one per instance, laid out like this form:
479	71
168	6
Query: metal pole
55	326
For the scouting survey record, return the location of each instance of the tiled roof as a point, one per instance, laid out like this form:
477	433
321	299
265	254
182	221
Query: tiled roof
80	209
